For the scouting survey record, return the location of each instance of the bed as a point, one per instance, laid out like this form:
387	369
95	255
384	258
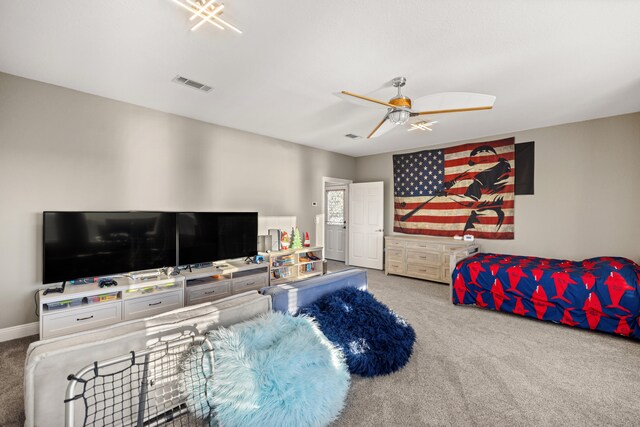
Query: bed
598	293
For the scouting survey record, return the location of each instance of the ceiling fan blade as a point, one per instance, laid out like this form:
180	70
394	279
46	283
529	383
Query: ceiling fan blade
453	110
383	127
450	101
363	100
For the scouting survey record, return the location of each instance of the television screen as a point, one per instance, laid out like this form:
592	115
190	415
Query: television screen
86	244
214	236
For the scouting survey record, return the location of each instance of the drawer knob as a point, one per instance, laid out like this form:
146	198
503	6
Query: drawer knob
209	293
80	319
155	303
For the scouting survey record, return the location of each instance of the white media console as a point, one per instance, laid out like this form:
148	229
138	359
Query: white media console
84	307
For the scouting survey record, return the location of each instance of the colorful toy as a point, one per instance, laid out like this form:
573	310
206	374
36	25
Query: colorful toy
284	241
307	242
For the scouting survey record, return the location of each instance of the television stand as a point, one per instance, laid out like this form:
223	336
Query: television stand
88	306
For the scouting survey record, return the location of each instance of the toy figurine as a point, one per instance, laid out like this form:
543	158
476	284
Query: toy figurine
284	241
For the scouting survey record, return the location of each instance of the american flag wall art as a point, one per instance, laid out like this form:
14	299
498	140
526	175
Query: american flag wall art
466	189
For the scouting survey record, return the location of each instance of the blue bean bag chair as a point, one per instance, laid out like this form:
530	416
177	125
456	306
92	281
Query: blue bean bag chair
274	370
373	338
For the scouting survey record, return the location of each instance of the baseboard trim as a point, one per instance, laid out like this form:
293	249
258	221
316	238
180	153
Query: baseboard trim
19	331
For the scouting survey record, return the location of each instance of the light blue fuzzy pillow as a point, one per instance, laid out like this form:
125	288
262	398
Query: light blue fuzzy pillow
275	370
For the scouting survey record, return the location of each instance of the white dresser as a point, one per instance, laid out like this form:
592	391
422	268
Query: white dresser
428	258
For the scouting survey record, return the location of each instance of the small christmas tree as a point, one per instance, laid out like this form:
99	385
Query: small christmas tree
296	241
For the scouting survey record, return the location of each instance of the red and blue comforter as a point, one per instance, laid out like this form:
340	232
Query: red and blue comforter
597	293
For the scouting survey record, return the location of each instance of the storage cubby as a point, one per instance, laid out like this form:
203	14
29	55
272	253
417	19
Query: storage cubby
60	305
295	264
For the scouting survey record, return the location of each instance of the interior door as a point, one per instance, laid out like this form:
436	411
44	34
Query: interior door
335	223
366	224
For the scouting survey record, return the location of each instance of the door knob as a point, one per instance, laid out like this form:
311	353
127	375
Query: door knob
380	230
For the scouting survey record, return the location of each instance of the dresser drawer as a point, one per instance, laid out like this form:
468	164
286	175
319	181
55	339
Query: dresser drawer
200	294
446	274
249	283
395	254
137	308
81	319
424	271
395	267
393	243
425	245
426	257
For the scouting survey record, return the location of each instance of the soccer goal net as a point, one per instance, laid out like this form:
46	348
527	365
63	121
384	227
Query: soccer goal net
144	388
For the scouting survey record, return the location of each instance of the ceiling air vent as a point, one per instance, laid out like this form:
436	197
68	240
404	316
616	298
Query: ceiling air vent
352	136
191	83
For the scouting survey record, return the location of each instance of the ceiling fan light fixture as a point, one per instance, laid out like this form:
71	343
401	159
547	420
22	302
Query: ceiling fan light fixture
400	108
399	116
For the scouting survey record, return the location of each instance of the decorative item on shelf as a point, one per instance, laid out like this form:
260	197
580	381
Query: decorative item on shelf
284	241
307	242
312	256
275	239
296	242
264	243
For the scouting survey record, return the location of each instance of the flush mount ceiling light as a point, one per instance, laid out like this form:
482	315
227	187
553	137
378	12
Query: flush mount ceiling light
423	125
206	11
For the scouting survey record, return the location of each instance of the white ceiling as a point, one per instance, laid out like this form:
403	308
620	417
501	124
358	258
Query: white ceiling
548	62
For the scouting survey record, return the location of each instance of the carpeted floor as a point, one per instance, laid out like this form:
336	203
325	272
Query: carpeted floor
479	367
469	367
12	354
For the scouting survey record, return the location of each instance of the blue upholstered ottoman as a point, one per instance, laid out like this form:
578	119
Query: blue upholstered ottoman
290	297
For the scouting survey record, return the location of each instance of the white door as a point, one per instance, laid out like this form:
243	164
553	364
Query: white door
366	219
336	223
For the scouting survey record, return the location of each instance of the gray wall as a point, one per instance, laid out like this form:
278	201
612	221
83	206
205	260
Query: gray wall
587	197
65	150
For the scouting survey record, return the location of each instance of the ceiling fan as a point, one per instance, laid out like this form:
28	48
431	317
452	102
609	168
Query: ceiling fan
400	108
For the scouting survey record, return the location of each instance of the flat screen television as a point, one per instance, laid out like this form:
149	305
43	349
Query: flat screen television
89	244
214	236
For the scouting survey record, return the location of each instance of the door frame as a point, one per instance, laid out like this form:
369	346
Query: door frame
327	182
